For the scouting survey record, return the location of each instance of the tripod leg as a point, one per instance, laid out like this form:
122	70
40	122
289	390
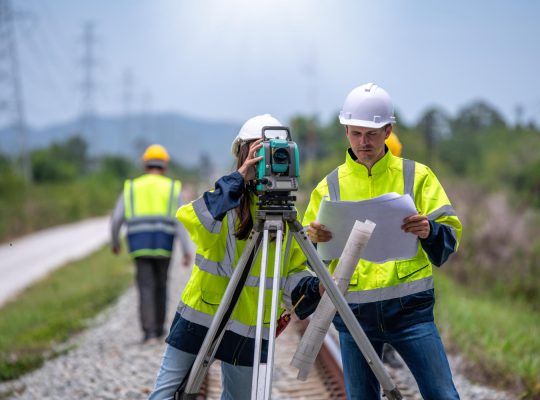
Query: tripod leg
273	316
389	388
274	223
217	328
260	318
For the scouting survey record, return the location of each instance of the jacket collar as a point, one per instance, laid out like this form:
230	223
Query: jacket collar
377	169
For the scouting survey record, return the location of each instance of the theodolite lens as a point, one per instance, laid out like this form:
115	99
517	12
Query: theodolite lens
280	156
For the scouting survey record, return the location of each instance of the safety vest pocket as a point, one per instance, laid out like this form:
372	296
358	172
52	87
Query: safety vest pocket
354	278
409	267
211	298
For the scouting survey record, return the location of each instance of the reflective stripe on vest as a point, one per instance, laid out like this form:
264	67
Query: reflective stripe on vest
230	248
218	252
408	181
392	292
205	217
333	185
152	224
408	177
151	234
226	266
201	318
170	210
445	211
401	289
204	319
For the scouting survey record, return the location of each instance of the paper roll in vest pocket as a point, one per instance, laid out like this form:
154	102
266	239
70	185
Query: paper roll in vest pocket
408	267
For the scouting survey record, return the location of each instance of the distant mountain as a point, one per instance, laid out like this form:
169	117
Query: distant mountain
187	139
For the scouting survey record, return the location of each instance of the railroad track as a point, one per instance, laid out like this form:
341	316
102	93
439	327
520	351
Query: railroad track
325	381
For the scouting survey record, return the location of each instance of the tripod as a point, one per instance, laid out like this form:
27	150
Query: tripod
272	216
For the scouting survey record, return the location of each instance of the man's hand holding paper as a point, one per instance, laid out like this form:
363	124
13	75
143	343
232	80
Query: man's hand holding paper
395	238
417	225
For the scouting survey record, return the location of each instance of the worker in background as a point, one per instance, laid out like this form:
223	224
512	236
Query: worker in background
219	222
393	144
393	301
147	206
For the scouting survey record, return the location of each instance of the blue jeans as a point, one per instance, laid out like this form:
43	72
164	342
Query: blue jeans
175	365
421	348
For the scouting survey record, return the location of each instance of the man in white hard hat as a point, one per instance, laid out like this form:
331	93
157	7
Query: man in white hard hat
392	301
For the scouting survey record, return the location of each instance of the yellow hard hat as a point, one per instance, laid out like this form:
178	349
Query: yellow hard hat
394	144
155	156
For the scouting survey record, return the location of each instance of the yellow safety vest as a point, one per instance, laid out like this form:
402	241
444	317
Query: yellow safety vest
351	181
150	202
217	254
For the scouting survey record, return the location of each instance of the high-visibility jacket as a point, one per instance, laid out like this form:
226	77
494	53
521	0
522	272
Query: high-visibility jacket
150	203
217	253
351	181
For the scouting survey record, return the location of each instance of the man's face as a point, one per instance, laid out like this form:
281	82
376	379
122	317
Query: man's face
367	144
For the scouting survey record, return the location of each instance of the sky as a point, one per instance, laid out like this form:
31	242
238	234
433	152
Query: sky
232	59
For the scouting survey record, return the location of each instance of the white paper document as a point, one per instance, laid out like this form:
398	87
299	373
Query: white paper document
388	241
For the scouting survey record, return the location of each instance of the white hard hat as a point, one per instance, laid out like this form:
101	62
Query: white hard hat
252	129
368	106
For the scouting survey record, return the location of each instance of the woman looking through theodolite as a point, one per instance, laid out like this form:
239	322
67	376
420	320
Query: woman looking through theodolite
219	223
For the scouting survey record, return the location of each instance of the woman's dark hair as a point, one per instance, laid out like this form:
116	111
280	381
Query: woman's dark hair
243	211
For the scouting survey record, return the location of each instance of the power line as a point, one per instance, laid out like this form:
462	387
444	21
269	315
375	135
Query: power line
88	63
127	100
127	92
11	101
44	65
88	85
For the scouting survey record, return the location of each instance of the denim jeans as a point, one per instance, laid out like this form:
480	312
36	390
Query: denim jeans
421	348
175	365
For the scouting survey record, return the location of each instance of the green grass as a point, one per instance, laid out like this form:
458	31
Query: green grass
499	334
53	309
25	209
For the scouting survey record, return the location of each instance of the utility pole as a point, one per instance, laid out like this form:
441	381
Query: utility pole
519	110
144	126
88	85
146	101
310	71
11	101
127	99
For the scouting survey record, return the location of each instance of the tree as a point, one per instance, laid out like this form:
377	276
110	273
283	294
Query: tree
60	161
477	117
118	167
433	125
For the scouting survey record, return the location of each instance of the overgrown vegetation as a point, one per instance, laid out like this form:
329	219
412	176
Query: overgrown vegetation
67	185
52	310
499	336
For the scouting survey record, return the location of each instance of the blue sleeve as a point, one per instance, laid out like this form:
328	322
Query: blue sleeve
309	287
226	196
440	243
